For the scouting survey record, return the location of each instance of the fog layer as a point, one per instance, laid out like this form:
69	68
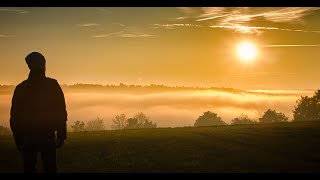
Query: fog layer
168	108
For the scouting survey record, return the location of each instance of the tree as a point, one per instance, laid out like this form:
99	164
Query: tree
149	124
143	121
209	119
242	119
78	126
271	116
119	121
95	125
140	120
132	123
308	108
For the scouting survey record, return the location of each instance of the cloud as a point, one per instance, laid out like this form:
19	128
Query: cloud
288	14
124	34
136	35
181	17
245	14
292	45
88	24
107	35
104	10
256	29
212	17
186	10
120	24
20	11
212	11
238	19
6	36
172	26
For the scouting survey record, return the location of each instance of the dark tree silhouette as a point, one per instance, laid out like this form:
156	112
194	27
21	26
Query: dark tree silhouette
308	108
271	116
140	120
209	119
132	123
95	125
119	122
242	119
78	126
143	121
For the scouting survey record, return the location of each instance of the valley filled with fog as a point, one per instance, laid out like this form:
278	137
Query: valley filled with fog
166	107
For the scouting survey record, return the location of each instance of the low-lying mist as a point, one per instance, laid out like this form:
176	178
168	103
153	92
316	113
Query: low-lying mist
167	108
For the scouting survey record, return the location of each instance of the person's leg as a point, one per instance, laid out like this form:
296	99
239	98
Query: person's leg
48	156
29	156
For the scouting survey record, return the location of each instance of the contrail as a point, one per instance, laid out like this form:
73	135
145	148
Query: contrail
292	45
214	17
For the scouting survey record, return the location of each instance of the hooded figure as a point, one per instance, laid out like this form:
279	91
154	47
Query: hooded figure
38	116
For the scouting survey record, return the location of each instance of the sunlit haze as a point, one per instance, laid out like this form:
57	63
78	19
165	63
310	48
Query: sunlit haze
165	45
269	55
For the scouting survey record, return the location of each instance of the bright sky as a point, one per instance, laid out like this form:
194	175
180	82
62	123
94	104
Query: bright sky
171	46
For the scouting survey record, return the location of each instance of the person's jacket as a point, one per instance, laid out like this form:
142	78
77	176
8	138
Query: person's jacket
38	111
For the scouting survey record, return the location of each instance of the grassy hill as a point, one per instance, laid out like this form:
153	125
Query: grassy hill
282	147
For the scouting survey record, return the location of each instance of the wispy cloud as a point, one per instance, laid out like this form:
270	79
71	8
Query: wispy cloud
120	24
20	11
245	14
256	29
104	10
212	12
88	24
124	34
186	10
292	45
6	36
212	17
181	17
288	14
135	35
172	26
238	19
107	35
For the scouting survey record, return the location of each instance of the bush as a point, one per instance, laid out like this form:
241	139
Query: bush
209	119
271	116
242	119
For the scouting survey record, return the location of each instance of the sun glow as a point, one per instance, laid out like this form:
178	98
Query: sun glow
247	51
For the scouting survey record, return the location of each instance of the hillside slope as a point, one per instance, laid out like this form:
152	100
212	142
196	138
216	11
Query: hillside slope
283	147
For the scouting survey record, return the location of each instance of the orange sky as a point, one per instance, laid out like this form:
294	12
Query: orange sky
171	46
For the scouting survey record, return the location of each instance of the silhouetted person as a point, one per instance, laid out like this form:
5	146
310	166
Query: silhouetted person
38	116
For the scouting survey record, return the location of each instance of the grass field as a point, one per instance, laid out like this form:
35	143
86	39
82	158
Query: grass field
282	147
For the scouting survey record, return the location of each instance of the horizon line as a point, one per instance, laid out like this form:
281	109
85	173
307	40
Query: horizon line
181	86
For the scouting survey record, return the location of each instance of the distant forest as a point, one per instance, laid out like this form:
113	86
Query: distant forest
151	87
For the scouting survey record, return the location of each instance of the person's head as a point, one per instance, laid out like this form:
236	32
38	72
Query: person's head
36	61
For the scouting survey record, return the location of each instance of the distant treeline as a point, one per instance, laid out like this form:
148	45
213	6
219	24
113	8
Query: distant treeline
151	86
122	85
156	87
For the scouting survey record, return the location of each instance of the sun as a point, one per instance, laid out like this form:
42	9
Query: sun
247	51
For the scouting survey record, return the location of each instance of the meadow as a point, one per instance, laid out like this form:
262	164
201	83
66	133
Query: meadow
277	147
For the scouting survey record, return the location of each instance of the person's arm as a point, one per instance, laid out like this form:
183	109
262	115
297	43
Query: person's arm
14	119
61	115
